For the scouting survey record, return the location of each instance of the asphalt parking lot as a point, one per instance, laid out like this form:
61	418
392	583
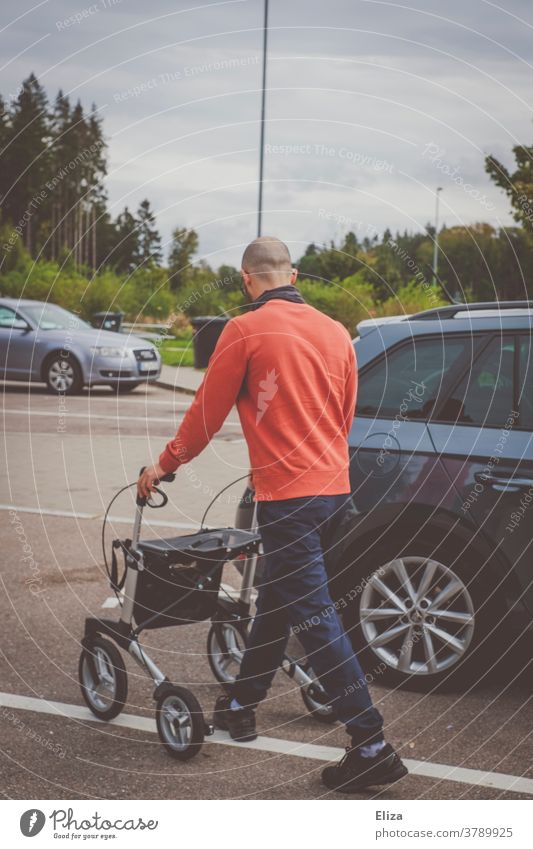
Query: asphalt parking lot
64	460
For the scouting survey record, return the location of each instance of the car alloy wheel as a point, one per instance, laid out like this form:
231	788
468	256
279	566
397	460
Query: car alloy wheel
61	375
417	616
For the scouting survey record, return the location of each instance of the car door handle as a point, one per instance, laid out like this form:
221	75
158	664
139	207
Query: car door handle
503	484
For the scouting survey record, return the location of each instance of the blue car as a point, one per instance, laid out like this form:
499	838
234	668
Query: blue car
432	570
43	342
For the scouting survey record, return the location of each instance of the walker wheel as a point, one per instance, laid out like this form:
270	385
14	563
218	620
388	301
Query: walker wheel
103	679
180	722
226	642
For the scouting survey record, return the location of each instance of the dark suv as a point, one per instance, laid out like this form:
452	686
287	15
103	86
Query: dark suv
434	563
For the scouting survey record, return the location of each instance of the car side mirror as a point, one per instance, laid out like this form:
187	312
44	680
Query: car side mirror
20	324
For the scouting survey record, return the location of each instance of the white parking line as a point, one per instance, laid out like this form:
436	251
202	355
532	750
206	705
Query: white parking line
112	399
441	772
127	520
69	415
136	399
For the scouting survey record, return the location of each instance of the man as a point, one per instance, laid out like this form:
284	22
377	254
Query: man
291	371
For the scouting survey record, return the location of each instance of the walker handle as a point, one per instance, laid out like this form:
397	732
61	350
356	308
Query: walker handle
168	478
142	502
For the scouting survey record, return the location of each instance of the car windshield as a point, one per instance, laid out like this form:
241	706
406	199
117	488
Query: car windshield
50	317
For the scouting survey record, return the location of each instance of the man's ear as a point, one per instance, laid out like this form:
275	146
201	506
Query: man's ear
294	275
245	284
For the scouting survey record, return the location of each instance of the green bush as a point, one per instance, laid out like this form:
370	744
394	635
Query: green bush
207	294
348	301
144	293
411	298
43	281
176	352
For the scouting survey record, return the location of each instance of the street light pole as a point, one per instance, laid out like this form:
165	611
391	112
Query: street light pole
436	240
262	137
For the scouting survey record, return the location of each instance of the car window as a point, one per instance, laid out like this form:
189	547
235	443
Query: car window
484	397
525	383
408	381
51	317
9	318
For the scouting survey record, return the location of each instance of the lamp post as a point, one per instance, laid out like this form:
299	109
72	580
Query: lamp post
436	240
262	136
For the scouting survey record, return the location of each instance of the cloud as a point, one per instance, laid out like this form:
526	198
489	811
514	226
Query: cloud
367	86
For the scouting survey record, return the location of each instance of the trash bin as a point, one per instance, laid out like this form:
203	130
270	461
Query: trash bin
108	320
206	330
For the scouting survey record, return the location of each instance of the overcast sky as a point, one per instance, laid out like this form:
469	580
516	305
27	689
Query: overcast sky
371	104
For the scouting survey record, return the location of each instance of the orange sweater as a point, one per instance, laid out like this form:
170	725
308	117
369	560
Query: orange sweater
291	372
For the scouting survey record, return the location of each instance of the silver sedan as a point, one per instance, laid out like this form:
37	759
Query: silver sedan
43	342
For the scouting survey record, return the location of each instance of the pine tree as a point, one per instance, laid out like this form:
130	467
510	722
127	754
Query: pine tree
97	195
148	252
5	134
124	247
27	162
350	245
518	185
61	153
184	246
309	264
77	181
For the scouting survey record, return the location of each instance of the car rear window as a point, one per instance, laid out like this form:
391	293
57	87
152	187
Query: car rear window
525	382
485	396
408	381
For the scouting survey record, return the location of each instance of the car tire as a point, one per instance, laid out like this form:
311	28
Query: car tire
123	388
63	374
464	637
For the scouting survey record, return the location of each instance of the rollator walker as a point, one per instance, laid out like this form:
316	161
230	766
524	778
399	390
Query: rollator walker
164	583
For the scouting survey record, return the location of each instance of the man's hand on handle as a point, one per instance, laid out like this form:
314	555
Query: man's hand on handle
149	478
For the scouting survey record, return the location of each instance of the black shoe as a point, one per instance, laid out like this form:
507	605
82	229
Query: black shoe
354	772
239	723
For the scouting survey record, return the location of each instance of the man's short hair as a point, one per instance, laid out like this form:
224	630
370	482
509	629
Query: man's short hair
267	256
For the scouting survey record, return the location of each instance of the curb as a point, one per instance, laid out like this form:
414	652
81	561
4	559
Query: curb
174	387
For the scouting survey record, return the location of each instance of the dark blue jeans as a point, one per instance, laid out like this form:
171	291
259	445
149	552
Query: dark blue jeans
295	594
